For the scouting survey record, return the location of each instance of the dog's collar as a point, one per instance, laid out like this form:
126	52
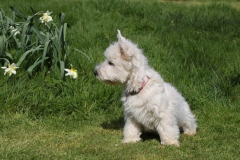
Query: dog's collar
139	90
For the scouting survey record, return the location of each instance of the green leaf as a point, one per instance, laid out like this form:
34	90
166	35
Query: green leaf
37	62
8	55
20	15
18	43
64	31
84	55
61	18
1	45
26	53
35	30
62	66
45	52
1	18
25	27
55	48
60	42
13	16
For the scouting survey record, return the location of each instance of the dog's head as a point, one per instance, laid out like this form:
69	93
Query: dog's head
123	58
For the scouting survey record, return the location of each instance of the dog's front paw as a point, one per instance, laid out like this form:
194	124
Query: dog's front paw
131	140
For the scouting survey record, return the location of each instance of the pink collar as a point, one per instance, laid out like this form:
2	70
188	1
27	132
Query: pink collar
139	90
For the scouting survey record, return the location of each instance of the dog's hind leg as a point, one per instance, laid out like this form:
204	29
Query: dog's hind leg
188	123
131	131
189	126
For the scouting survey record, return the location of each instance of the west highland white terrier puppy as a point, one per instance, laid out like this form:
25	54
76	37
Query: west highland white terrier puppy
150	104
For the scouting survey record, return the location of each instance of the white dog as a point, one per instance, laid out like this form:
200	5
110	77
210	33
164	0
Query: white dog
150	104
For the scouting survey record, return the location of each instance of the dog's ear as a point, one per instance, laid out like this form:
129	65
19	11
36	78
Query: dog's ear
120	37
123	47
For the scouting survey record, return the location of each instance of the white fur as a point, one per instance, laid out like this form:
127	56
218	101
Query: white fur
156	107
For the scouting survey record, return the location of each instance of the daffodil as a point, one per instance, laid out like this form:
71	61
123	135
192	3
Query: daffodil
71	72
46	17
11	69
14	30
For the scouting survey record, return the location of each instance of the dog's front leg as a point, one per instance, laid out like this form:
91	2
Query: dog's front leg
168	132
131	131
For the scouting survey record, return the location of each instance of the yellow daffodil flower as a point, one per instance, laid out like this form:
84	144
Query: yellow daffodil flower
11	69
71	72
46	17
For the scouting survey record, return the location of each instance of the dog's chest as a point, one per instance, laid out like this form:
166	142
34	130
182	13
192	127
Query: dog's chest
142	112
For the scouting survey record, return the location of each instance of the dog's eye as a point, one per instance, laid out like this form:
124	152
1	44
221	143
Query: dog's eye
110	63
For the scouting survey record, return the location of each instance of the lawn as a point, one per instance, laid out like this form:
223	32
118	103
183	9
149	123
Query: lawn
193	44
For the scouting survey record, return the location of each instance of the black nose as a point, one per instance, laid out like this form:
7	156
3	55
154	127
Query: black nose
95	73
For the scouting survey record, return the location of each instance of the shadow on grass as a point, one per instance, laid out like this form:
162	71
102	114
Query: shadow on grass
149	136
118	124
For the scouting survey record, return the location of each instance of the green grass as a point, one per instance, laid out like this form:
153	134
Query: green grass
193	44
